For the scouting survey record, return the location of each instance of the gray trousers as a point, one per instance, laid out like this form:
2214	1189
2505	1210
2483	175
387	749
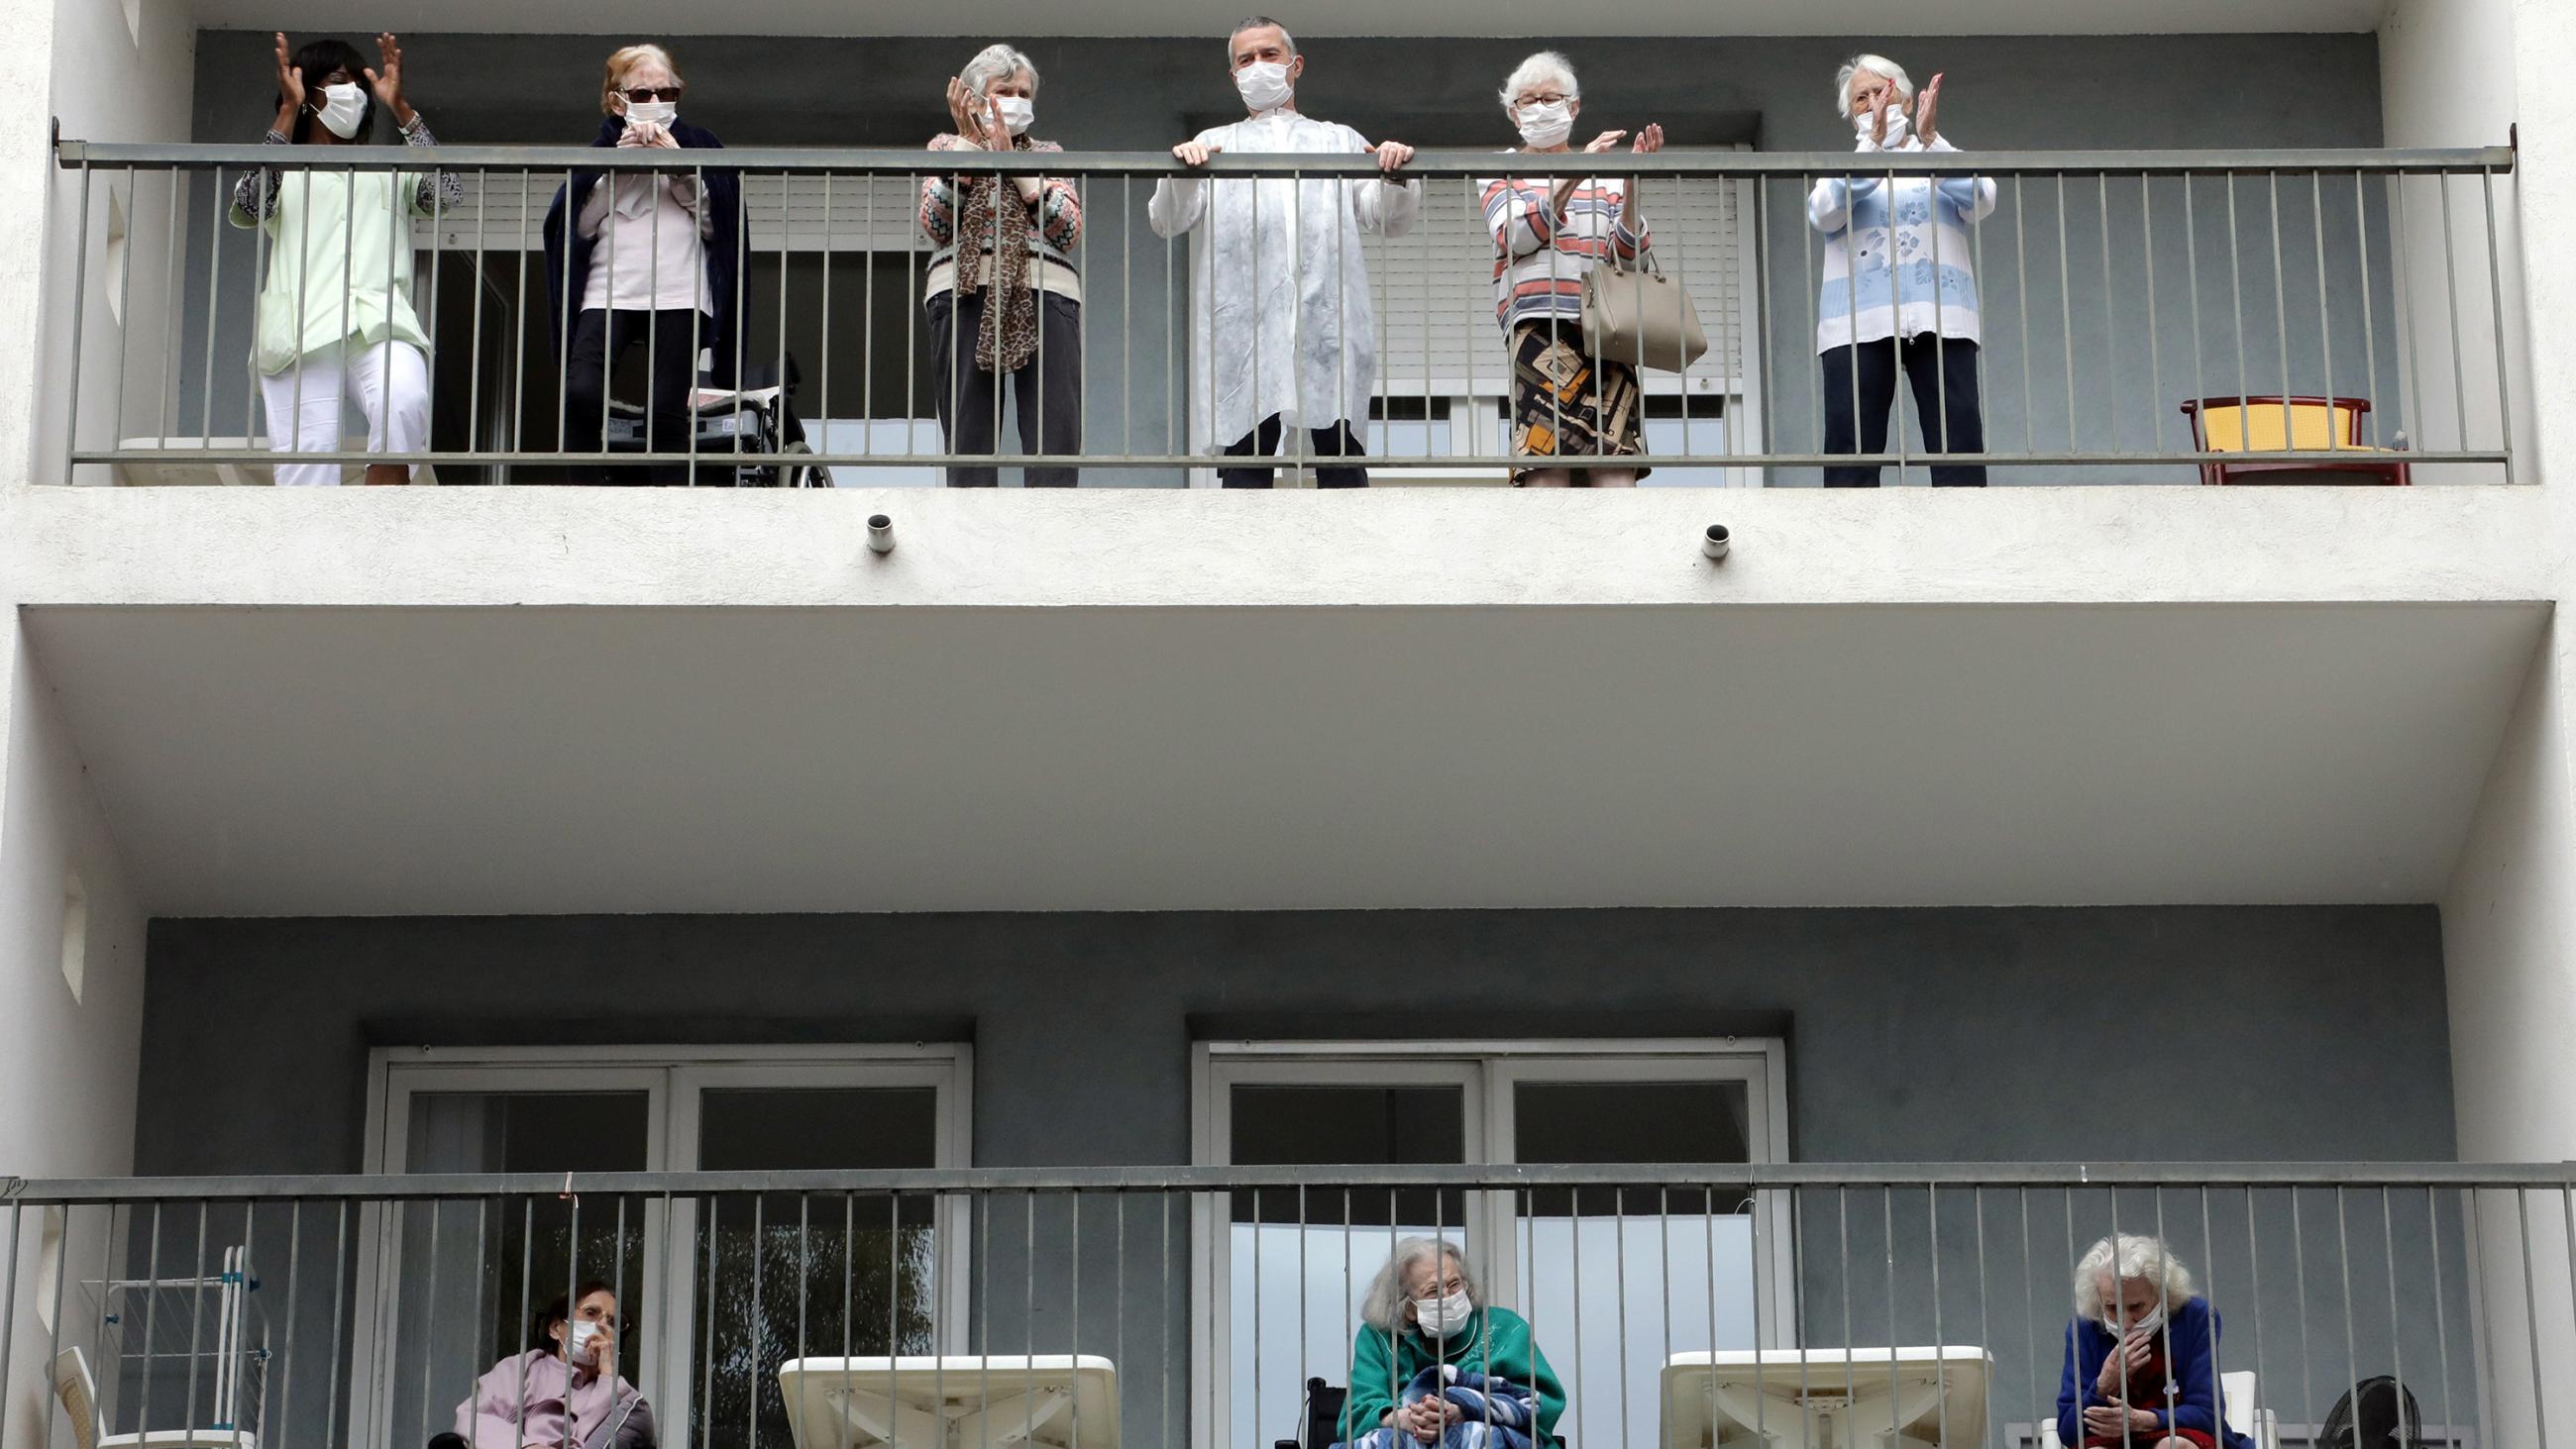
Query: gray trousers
1046	391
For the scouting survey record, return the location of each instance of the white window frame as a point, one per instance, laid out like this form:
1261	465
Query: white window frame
1488	1070
672	1079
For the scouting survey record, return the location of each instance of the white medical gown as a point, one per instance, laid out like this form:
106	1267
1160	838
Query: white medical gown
1278	286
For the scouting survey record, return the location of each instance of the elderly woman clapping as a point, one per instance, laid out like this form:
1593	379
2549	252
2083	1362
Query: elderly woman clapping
1549	232
1023	319
1434	1364
2141	1355
1899	291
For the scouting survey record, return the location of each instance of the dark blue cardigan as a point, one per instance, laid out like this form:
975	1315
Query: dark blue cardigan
2194	1367
568	255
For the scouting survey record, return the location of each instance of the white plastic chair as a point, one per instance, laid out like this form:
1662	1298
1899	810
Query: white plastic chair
79	1394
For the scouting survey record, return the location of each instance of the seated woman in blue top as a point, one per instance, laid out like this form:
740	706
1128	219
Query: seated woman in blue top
2141	1355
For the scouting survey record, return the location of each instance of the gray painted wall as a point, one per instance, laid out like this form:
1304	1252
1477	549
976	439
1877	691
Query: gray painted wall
1966	1034
2007	92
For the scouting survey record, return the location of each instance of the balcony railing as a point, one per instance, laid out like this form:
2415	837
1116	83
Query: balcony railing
2142	317
1679	1306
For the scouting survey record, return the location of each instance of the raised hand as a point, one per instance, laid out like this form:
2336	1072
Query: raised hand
387	81
1649	141
1603	142
964	111
290	81
1924	107
1878	115
2128	1358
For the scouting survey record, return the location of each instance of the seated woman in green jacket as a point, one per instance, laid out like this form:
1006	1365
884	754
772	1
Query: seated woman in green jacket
1434	1365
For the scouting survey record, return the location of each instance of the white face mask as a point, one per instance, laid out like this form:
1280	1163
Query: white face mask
1018	113
581	1342
2154	1321
343	107
1545	127
652	113
1866	125
1264	85
1443	1317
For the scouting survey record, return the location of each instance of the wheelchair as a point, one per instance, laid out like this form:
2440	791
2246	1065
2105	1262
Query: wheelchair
748	435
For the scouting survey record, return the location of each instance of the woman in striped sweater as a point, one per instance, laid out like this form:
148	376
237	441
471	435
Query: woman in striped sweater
1547	233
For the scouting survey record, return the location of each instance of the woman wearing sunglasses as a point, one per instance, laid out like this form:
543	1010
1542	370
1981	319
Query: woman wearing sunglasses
644	257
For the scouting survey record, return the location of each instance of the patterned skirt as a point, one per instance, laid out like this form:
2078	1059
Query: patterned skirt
1563	408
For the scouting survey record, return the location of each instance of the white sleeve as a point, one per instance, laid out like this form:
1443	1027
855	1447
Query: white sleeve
594	208
1974	196
1386	207
1380	205
1178	201
1176	205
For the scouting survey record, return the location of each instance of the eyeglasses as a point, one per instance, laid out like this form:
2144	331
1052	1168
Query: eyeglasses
1551	98
642	94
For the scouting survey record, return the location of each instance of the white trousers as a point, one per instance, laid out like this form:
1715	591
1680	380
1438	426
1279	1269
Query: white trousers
390	383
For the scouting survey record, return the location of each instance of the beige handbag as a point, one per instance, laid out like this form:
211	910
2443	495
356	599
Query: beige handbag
1641	318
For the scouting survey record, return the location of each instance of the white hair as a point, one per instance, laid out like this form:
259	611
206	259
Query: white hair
1382	1307
1547	65
1877	65
996	62
2127	1256
1259	22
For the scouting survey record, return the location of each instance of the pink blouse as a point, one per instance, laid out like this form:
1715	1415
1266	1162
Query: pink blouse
536	1398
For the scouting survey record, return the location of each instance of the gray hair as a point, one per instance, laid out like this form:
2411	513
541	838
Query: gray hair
2127	1256
1877	65
1382	1307
996	62
1544	66
1256	22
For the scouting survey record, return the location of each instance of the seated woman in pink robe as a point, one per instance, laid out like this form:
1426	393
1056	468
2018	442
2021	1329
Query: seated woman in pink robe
564	1391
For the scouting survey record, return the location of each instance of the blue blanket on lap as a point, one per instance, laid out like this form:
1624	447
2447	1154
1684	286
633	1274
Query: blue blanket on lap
1494	1413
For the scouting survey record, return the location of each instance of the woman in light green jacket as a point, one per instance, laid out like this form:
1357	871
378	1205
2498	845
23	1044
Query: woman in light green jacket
335	321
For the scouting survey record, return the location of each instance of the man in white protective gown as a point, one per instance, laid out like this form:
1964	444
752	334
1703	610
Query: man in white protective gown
1281	335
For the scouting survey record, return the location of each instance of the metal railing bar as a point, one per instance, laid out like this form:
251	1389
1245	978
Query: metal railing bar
1443	164
1491	1177
1424	461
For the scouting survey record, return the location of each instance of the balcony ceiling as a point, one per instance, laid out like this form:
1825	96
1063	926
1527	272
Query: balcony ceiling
1353	17
365	761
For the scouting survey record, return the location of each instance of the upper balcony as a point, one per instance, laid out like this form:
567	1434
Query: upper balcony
2192	226
2177	218
2248	316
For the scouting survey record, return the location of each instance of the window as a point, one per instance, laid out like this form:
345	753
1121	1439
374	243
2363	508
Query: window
450	1275
1612	1278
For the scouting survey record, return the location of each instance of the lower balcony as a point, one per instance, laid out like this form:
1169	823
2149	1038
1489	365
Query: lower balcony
1613	1303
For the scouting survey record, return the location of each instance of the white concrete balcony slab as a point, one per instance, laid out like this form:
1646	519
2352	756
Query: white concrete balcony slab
529	700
